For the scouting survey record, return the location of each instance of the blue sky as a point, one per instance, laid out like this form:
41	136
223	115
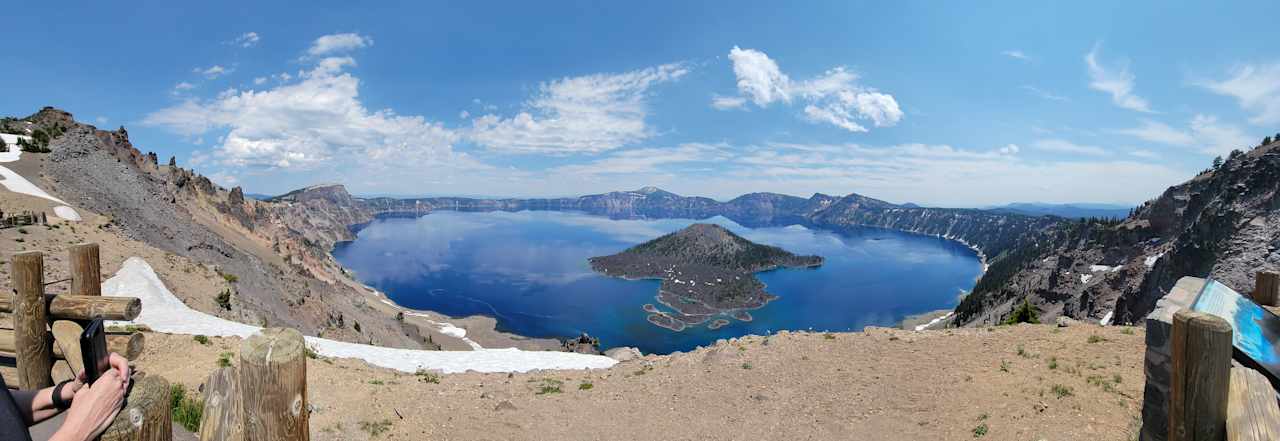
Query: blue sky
940	103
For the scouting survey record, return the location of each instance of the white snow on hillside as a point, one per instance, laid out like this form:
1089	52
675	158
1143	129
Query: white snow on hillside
1102	268
18	184
934	321
1150	262
163	312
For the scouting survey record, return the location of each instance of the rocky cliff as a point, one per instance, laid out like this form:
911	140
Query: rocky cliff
274	255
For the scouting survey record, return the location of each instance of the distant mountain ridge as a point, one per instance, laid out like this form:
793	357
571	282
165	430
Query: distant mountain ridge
1071	211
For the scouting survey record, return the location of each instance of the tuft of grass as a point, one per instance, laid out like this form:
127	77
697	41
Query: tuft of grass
311	353
1117	378
224	359
549	386
1095	338
980	431
1053	363
377	382
230	278
425	376
375	428
746	365
585	385
186	411
1004	366
201	339
1127	331
829	336
1062	391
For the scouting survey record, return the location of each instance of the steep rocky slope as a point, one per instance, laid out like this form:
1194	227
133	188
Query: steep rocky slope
274	254
1223	223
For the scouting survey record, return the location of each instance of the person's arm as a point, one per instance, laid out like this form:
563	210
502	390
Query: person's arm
37	406
94	407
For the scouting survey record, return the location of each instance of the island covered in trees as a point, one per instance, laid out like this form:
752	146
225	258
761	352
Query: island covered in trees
706	271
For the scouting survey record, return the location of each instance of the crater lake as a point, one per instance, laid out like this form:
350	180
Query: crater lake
529	271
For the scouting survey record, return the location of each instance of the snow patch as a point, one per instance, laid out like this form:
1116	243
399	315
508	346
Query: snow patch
1106	319
67	213
1084	278
163	312
1150	262
934	321
1104	268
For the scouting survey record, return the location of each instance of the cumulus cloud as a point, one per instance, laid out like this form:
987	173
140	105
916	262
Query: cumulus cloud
1116	81
215	71
585	114
1256	87
832	98
315	121
335	43
247	39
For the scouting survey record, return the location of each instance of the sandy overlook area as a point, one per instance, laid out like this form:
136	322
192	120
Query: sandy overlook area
1082	382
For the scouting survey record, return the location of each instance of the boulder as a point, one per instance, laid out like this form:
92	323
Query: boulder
623	354
1064	321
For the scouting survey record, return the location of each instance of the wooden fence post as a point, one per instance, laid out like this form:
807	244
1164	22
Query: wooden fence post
147	414
273	386
86	270
222	418
1266	290
1201	377
34	349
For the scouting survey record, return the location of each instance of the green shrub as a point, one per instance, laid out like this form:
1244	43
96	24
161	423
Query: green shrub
585	385
186	411
230	278
1024	314
1062	391
224	299
425	376
1096	339
375	428
224	359
201	339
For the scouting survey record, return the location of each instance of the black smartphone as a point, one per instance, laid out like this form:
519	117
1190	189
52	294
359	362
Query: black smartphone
93	348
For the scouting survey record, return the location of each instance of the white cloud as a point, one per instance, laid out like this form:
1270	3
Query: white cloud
464	114
1256	87
182	87
1043	93
1118	82
586	114
332	43
1017	54
1204	133
1064	146
224	179
215	71
1011	149
833	97
247	39
728	102
316	122
1146	154
101	120
260	81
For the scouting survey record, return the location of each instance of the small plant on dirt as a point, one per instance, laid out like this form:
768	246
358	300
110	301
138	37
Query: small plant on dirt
1022	352
425	376
1117	378
585	385
224	359
185	410
311	353
1062	391
829	336
375	428
980	431
746	366
549	386
224	299
1053	363
201	339
377	382
1004	366
1095	338
230	278
1127	331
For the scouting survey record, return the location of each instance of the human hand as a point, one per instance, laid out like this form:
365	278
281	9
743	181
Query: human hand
95	407
120	364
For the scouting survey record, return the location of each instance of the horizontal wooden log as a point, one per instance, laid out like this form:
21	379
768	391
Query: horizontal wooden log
69	307
1252	414
128	345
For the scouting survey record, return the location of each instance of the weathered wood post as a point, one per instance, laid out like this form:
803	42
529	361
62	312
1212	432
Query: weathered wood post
1201	377
146	415
1266	290
1252	414
86	270
32	343
223	419
273	386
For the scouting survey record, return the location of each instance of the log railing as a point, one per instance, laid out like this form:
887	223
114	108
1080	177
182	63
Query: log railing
1209	399
34	349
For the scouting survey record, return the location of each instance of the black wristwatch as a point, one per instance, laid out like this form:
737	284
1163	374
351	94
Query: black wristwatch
58	402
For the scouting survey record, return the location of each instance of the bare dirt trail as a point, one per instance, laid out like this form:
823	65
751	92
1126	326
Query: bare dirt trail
1025	382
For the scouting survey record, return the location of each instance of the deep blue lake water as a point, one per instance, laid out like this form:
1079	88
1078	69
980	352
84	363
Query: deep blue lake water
529	270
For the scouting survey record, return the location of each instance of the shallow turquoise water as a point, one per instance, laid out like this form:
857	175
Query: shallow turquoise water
529	270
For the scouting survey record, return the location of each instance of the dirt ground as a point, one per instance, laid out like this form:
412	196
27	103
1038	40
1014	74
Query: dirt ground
1025	382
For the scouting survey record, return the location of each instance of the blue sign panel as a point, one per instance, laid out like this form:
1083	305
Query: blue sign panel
1255	331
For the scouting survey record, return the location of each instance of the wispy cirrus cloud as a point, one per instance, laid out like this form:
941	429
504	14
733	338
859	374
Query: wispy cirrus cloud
247	40
213	72
1116	81
1043	93
833	98
1203	133
1256	87
1064	146
584	114
1016	54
